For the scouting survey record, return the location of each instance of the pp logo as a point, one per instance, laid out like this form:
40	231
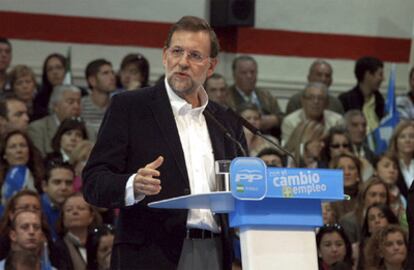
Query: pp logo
249	176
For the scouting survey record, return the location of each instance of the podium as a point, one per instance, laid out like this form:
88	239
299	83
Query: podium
275	209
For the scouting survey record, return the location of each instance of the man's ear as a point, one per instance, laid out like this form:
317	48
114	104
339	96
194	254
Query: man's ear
92	81
212	67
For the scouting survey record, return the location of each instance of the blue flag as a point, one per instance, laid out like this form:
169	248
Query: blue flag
380	137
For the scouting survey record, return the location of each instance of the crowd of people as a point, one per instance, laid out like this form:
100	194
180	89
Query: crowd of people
48	130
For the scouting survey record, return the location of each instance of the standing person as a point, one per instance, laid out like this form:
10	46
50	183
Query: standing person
365	96
158	143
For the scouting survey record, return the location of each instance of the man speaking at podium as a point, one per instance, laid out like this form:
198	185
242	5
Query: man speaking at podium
161	142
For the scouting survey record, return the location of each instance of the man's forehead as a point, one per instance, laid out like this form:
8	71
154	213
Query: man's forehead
191	39
358	119
314	90
27	217
14	105
70	94
4	46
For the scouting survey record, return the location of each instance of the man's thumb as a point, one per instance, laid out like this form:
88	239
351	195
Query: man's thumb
156	163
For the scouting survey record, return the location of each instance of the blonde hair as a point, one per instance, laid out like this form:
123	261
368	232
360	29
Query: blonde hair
304	133
393	148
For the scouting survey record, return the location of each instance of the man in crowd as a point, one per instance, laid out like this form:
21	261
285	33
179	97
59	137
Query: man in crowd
314	103
64	103
245	90
319	71
57	186
216	88
356	125
365	96
13	114
101	81
5	60
405	103
161	142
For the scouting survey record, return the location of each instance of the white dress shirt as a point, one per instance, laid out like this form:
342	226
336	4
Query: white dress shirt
407	172
198	155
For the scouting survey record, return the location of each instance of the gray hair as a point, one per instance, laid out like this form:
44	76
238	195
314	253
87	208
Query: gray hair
316	85
351	114
57	94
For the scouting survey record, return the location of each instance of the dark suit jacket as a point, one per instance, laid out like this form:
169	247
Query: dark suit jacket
410	218
354	99
137	128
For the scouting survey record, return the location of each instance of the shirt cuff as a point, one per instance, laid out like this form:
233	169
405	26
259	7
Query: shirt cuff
130	198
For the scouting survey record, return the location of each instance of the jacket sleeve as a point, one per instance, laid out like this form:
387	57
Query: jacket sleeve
105	176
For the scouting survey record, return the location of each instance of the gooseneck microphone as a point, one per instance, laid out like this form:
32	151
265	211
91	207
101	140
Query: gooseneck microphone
225	131
257	132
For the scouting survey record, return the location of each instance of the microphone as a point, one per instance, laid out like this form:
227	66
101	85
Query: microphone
257	132
225	131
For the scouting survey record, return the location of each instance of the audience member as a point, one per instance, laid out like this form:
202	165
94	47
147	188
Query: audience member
64	103
101	81
328	213
272	157
99	247
13	114
22	260
365	96
21	165
319	71
134	72
70	132
57	187
27	234
23	84
76	220
255	143
405	104
377	217
387	168
351	167
402	145
333	247
23	200
5	60
216	88
336	142
306	144
314	103
372	191
245	90
78	158
387	249
53	74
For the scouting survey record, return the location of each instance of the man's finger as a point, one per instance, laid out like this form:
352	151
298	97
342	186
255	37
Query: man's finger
156	163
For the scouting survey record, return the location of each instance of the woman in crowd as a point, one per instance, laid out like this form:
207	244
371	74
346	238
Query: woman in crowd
21	165
372	191
54	69
69	134
255	144
387	168
387	249
377	216
99	247
351	166
76	220
333	247
306	144
402	146
336	142
134	72
23	84
328	214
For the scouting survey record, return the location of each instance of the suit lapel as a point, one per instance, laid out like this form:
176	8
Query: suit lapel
163	115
